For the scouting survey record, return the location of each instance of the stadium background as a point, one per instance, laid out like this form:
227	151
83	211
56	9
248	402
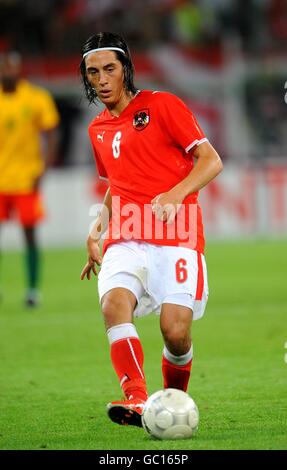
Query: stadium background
227	60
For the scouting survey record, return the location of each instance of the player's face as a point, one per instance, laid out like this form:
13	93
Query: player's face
106	74
9	72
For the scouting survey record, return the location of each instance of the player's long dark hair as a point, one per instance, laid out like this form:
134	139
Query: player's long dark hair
108	40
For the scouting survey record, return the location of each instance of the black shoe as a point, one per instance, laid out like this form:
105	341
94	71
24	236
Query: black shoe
126	412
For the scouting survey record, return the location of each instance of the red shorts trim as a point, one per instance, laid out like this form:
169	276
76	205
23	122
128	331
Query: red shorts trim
26	208
200	278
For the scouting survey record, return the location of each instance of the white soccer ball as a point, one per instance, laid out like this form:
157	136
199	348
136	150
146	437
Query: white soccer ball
170	414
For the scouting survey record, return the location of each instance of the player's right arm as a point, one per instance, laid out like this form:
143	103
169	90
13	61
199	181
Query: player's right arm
93	240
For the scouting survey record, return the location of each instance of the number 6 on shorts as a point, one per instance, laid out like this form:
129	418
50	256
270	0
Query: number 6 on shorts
180	270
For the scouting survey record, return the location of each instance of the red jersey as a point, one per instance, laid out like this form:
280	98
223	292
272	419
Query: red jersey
144	152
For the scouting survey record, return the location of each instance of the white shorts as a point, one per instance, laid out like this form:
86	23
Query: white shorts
156	275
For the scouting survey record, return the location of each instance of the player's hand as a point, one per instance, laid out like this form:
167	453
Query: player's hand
37	182
94	258
166	205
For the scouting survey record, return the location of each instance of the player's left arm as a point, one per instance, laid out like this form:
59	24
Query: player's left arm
50	152
207	166
48	119
51	137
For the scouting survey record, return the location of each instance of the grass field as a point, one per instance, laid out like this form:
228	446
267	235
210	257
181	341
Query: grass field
56	377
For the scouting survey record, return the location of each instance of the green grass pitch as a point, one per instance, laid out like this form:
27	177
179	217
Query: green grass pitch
56	377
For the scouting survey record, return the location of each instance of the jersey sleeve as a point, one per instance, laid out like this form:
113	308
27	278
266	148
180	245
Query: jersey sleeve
99	163
180	123
48	116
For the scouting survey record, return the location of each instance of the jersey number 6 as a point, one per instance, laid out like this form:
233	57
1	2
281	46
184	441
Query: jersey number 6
180	270
116	144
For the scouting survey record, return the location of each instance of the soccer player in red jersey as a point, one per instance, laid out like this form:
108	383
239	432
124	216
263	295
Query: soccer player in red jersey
146	144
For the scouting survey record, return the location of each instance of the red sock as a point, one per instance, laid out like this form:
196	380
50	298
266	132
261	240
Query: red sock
174	375
127	358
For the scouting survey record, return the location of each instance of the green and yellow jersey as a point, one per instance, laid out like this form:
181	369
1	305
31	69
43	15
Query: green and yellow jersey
23	115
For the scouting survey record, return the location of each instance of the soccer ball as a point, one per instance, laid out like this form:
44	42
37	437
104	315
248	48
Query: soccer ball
170	414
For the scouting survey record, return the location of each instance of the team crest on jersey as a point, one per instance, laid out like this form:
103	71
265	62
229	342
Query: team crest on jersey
141	119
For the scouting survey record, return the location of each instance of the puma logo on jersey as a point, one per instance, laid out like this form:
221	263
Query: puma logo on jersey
100	137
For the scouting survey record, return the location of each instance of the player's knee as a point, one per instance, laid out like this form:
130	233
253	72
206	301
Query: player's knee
177	339
111	305
115	309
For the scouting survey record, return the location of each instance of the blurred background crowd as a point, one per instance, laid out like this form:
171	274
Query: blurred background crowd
57	27
225	58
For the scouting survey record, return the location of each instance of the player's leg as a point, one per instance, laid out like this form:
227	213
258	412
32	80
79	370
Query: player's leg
32	263
126	350
183	296
30	212
175	324
120	290
127	357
